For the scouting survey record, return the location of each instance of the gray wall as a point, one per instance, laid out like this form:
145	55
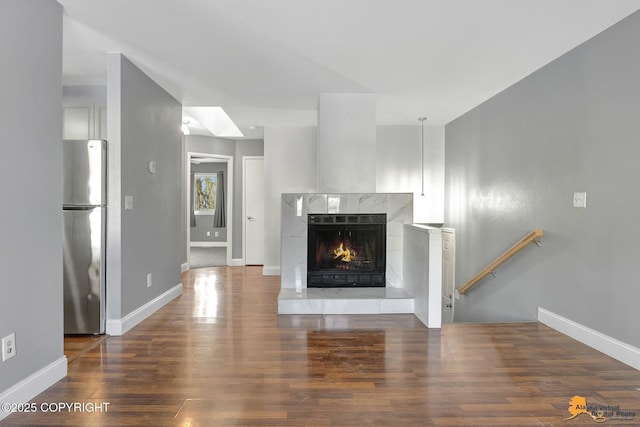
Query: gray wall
144	125
210	145
513	164
204	223
31	218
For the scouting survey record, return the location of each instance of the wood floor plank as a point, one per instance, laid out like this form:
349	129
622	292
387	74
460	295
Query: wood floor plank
78	345
220	355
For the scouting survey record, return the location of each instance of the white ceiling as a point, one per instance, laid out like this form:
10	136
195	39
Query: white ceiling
265	62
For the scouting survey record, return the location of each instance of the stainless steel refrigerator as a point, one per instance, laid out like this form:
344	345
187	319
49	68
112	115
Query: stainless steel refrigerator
85	212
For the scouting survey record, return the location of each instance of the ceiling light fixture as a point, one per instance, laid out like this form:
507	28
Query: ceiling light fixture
422	120
185	128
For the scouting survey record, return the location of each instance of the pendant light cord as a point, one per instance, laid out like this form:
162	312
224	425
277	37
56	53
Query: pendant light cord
422	119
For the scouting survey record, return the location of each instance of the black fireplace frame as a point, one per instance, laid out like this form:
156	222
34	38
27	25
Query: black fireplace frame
361	277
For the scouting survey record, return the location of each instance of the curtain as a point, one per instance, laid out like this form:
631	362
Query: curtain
193	202
220	212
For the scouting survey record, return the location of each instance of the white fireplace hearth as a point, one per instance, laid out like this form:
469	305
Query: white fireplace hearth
345	301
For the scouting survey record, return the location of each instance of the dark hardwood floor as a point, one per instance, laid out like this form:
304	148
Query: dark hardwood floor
221	355
77	345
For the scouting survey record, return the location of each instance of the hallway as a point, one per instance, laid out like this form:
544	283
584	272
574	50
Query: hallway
220	355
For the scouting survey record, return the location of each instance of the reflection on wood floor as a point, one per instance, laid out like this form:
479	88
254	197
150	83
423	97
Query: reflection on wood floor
77	345
221	355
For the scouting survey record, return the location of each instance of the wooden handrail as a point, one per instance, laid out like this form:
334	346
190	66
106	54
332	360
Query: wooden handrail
529	238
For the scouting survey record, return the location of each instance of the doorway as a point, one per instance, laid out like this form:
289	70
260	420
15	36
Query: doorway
228	185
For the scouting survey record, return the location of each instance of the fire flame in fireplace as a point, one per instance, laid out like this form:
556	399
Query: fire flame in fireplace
343	253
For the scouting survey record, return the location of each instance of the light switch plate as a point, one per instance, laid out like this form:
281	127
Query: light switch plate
580	199
128	203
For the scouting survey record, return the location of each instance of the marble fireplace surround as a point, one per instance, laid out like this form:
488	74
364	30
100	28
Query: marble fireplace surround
296	298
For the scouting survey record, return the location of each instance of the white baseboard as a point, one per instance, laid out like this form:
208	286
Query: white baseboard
271	270
620	351
34	384
184	267
208	244
237	262
117	327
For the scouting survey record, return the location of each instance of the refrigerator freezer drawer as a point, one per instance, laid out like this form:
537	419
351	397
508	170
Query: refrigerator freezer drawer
84	285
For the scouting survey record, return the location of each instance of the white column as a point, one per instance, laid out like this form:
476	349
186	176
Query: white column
347	143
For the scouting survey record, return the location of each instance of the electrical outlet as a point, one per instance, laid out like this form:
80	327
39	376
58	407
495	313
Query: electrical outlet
8	347
216	234
208	233
149	280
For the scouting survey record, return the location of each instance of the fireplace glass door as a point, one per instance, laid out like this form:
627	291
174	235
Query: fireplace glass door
346	250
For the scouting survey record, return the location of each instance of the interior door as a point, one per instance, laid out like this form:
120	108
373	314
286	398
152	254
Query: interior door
254	210
448	275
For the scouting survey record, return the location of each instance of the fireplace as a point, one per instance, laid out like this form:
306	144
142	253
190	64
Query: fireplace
346	250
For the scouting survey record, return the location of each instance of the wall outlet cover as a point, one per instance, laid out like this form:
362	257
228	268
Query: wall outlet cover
8	347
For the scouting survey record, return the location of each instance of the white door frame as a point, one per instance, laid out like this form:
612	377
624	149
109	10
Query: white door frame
229	198
244	204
